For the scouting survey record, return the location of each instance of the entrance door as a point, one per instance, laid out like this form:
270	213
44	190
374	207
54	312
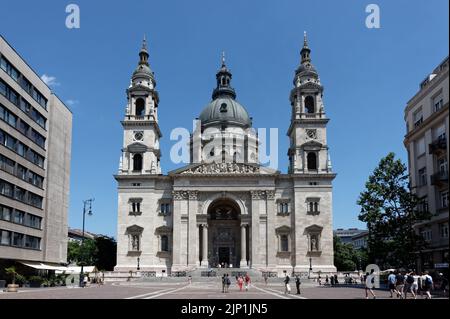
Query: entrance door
224	255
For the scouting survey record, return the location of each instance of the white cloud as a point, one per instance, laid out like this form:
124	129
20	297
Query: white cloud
49	80
72	102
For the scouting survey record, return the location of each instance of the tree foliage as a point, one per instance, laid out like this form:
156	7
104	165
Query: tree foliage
100	252
346	258
390	210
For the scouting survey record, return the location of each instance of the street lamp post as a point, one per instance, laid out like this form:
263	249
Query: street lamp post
310	267
85	203
138	260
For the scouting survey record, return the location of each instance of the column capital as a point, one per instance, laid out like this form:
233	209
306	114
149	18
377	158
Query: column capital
257	194
270	194
193	195
180	194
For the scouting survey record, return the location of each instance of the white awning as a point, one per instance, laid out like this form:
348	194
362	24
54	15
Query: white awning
77	269
42	266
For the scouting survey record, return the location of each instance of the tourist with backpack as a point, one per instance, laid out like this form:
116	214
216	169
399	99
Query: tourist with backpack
427	285
409	282
228	281
400	284
297	284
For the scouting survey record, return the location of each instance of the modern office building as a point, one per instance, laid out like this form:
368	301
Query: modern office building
35	153
426	141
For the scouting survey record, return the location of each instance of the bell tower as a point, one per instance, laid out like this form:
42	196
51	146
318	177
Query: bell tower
308	151
141	151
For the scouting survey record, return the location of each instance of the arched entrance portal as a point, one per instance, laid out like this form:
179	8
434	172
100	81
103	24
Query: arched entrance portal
225	236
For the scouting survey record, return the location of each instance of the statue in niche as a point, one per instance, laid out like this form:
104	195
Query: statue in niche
314	243
135	243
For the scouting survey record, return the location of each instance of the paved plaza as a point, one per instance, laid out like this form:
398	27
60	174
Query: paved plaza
196	290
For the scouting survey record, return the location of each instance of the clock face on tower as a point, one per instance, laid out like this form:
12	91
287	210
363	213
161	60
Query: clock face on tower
311	134
139	136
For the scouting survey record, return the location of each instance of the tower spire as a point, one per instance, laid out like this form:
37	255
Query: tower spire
305	40
223	58
143	54
305	52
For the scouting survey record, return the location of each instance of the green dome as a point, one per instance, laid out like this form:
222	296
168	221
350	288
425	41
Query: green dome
225	109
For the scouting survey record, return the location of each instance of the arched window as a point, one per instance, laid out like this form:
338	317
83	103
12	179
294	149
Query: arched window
137	162
140	107
164	243
309	104
284	243
312	161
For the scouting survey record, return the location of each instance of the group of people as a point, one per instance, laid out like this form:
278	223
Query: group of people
243	282
287	285
402	283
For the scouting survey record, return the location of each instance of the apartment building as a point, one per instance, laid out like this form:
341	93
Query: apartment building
426	141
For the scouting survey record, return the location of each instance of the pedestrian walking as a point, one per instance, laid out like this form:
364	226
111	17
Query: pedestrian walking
224	282
428	285
327	280
297	284
287	285
332	280
265	279
247	282
370	280
240	282
320	280
409	285
400	283
228	283
391	283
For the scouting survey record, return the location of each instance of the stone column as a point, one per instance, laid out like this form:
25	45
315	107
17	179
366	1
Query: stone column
243	263
271	222
193	235
205	246
254	234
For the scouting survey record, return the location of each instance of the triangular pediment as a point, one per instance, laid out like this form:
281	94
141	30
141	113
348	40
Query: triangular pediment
224	169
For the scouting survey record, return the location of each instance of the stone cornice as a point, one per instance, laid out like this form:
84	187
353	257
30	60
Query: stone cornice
425	125
306	121
138	123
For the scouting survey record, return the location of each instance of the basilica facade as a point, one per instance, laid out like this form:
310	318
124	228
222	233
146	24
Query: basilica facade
224	208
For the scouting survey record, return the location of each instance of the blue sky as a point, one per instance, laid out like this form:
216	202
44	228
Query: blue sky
368	75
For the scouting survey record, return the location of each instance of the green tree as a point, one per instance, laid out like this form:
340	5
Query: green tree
390	210
105	258
344	255
82	254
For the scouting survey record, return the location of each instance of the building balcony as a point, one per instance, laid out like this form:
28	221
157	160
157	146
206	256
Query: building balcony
440	179
438	146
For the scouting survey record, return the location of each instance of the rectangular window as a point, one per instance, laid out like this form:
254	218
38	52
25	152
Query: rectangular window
443	230
423	176
426	234
23	128
34	200
19	217
33	221
3	89
444	199
32	242
313	205
25	84
5	237
6	189
438	102
6	164
418	117
38	138
20	194
18	239
5	213
21	172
